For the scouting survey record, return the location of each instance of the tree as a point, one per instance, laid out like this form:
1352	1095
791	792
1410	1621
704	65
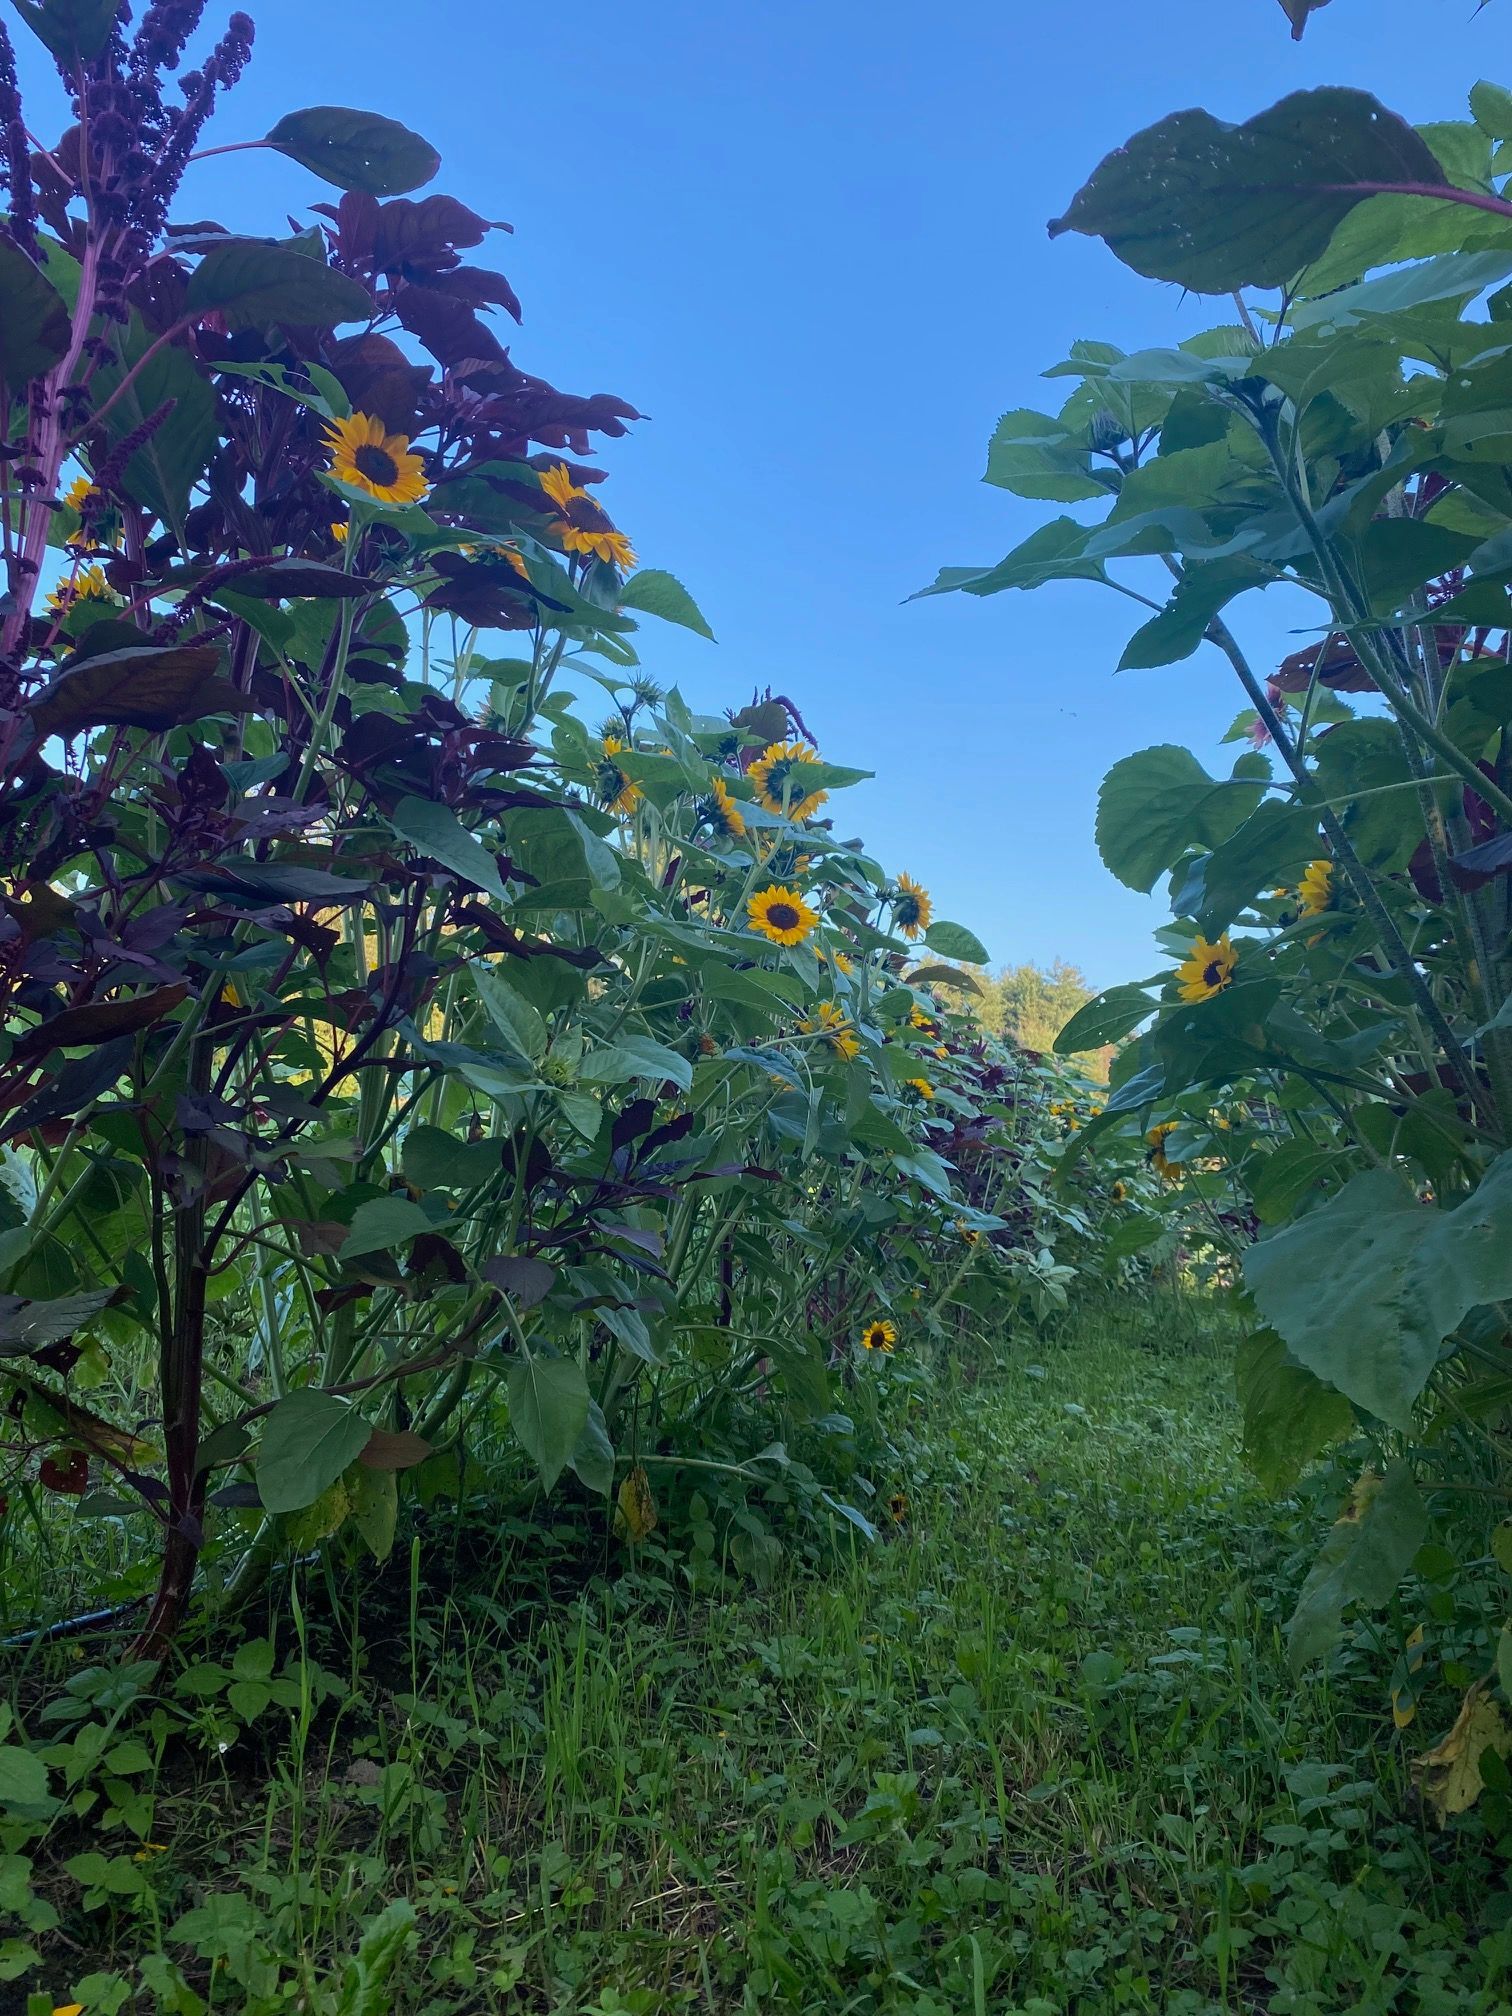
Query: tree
1032	1004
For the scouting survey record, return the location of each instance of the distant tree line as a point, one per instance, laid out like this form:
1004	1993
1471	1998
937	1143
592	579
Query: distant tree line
1031	1005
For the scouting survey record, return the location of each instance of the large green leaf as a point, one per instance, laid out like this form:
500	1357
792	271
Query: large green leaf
1155	805
548	1411
518	1023
34	320
438	832
75	31
307	1441
1035	456
356	150
954	941
1108	1018
382	1224
1056	552
1215	207
251	284
1181	626
163	470
654	592
1276	841
1366	1288
1368	1551
1290	1416
632	1056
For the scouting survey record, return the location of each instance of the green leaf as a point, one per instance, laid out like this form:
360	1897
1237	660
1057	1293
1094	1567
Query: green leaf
548	1411
1491	107
308	1440
436	1159
164	469
1157	804
654	592
593	1458
954	941
1274	843
438	832
1035	456
356	150
518	1023
1451	276
23	1778
1108	1018
635	1057
252	285
1056	552
1286	1176
74	30
34	320
1290	1416
1181	626
1216	207
366	1988
382	1224
1365	1556
1366	1288
374	1497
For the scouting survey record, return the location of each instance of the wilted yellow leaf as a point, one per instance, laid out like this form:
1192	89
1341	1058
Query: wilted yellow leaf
317	1522
1403	1701
1449	1777
637	1508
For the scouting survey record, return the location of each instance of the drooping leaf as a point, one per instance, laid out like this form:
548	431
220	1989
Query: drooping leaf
633	1056
524	1279
29	1326
593	1458
520	1026
75	31
308	1440
548	1410
1216	207
437	831
954	941
252	284
1107	1018
1156	804
98	1021
1290	1416
34	320
1056	552
140	686
1368	1551
168	389
654	592
636	1507
1366	1288
1181	626
356	150
1450	1776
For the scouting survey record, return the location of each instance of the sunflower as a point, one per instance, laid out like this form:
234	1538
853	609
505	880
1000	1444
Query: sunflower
1119	1192
781	915
616	792
922	1086
1317	888
968	1232
879	1335
780	783
85	584
581	525
365	455
1157	1158
339	530
897	1508
830	1023
1207	969
917	1019
843	964
720	811
913	913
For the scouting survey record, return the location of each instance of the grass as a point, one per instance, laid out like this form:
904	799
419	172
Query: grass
1036	1752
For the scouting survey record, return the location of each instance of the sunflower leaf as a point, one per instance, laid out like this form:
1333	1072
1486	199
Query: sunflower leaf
356	150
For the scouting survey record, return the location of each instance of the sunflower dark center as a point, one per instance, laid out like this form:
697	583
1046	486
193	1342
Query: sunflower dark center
376	464
784	916
1212	974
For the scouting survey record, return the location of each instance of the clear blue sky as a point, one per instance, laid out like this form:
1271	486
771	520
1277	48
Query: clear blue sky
807	239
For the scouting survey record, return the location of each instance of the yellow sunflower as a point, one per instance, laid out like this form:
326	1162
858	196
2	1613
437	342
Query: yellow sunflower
582	526
781	786
897	1508
616	792
879	1335
85	584
1207	969
722	813
365	455
339	530
1157	1158
1317	888
781	915
922	1086
913	912
829	1022
1119	1192
968	1232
